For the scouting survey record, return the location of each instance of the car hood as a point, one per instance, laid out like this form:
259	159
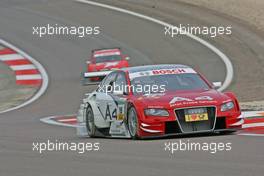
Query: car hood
179	99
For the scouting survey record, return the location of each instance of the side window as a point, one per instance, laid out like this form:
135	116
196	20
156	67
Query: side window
120	83
106	81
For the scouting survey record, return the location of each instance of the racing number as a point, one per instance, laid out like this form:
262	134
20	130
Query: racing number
114	114
108	114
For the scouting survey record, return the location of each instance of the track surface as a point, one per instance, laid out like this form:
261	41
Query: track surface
63	58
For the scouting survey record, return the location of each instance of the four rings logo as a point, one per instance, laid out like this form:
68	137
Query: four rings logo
178	99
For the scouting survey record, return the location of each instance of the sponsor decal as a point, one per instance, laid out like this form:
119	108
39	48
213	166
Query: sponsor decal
162	72
198	114
172	71
121	112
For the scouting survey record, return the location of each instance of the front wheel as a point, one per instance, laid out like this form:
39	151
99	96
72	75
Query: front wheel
132	122
90	122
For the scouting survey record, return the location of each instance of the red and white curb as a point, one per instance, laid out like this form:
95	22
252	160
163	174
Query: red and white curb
63	120
253	122
28	71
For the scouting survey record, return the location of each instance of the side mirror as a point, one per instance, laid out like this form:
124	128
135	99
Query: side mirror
217	85
118	92
88	62
127	58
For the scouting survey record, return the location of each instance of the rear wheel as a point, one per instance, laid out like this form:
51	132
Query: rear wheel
90	122
132	122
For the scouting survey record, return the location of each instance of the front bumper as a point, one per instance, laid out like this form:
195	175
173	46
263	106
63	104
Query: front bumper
172	127
188	134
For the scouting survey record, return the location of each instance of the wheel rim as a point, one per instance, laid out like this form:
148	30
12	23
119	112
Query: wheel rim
132	122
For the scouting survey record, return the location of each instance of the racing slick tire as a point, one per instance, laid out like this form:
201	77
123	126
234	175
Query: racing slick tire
132	122
90	126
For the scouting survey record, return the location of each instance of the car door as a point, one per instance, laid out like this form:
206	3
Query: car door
104	100
119	95
119	98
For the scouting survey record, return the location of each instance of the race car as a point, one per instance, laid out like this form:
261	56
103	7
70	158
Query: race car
106	59
155	101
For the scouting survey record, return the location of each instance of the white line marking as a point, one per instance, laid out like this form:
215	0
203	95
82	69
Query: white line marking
45	78
22	67
11	57
226	60
28	77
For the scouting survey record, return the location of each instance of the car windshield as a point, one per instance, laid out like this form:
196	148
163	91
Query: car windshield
100	59
168	82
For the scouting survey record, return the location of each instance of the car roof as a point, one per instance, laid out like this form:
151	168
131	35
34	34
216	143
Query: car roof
153	67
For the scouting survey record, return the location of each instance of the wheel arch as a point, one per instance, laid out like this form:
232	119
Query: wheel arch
98	118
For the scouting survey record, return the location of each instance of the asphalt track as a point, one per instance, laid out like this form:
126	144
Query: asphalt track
63	57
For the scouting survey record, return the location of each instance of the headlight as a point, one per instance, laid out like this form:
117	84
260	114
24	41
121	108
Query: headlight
156	112
227	106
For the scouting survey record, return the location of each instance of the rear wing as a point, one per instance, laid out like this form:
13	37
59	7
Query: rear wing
105	49
96	74
94	78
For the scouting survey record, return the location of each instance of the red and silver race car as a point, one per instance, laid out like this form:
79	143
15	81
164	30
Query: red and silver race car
106	59
155	101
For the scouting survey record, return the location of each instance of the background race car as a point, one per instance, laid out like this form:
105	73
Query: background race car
106	59
157	100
